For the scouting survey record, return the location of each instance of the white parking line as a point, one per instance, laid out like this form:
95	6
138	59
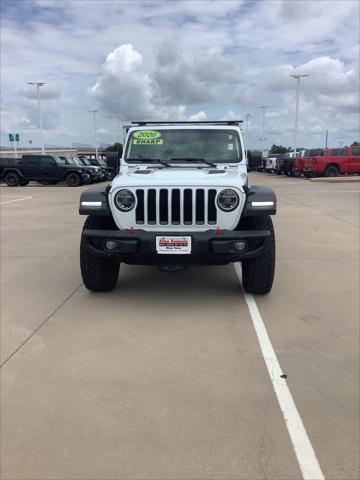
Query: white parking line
17	200
304	451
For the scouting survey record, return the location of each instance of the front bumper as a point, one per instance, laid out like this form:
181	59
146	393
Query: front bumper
212	247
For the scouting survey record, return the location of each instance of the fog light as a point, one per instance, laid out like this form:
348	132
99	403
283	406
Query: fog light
111	244
240	246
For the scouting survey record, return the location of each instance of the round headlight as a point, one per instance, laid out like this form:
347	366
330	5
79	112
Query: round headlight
125	200
228	200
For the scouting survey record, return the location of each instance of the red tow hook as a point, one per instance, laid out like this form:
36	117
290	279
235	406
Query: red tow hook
131	231
218	231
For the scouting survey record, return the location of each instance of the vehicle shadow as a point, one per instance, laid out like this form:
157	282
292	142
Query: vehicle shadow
148	284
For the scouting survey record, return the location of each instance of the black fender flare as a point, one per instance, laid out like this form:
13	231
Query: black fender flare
94	201
260	201
12	170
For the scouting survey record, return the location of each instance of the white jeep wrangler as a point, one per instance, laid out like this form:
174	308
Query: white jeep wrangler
181	197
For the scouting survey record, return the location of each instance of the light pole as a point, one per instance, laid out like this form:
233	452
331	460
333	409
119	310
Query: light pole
264	107
94	112
297	77
38	85
247	121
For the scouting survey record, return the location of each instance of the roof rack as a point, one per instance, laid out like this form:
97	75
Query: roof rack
219	122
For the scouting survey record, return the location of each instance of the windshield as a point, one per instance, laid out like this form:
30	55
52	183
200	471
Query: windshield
181	145
60	161
313	152
70	161
78	162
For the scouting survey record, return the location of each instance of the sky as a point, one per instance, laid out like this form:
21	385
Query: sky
180	60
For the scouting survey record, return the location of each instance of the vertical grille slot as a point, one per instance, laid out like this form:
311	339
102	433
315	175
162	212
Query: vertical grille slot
139	213
164	209
200	206
175	206
212	217
187	206
151	205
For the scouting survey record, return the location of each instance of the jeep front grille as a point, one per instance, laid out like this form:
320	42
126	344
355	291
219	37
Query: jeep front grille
176	206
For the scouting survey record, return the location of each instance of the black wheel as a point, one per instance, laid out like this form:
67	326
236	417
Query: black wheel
12	179
331	171
73	180
98	274
23	183
258	273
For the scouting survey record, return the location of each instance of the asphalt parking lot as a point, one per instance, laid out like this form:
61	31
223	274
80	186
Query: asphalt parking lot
164	378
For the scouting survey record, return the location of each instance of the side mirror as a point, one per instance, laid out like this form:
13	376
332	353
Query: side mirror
113	160
254	160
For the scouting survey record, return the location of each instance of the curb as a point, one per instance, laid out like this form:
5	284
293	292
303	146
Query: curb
336	179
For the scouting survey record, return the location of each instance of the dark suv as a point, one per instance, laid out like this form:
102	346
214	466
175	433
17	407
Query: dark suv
46	169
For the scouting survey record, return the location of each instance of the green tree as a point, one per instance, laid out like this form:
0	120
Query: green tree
355	144
277	149
116	147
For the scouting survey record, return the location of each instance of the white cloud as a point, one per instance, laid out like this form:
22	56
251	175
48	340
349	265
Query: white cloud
102	132
124	89
170	60
230	115
198	117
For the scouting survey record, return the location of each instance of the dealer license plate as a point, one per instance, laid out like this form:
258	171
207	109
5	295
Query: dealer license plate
173	245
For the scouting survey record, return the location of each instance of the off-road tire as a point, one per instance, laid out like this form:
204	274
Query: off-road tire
12	179
73	180
332	171
98	274
258	273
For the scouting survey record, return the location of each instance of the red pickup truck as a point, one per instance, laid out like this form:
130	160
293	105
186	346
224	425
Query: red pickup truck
299	162
334	162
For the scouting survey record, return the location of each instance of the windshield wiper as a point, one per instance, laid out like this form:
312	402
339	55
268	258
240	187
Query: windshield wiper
149	160
194	160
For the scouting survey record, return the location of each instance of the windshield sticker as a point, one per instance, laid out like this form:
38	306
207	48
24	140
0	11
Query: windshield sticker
230	137
148	141
230	146
146	134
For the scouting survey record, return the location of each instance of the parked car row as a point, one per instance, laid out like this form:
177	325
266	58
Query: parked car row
52	169
329	162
